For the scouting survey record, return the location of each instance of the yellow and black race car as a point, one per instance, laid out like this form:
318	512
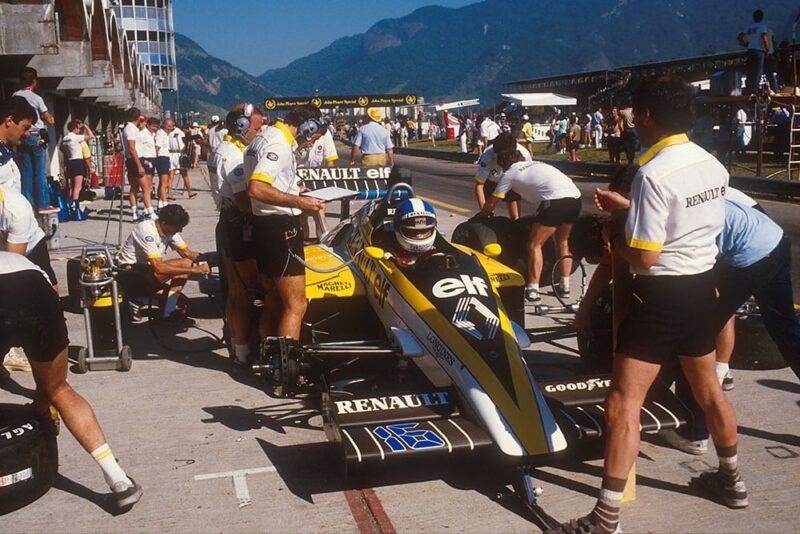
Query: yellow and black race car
426	359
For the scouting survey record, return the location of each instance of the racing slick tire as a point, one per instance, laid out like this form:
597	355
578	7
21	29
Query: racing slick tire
28	457
754	349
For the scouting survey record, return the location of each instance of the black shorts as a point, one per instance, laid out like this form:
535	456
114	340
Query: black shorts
138	280
40	257
162	165
669	316
149	165
275	236
489	187
559	211
131	169
31	316
75	167
236	234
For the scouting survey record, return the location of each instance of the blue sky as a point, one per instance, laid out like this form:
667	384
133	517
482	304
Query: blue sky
256	35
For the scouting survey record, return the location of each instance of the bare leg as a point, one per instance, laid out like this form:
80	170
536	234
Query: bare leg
170	182
721	417
163	186
186	183
539	234
77	414
77	185
513	210
562	240
146	182
133	192
241	292
291	290
725	341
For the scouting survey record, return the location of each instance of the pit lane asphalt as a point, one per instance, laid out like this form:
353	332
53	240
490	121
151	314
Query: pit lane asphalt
214	453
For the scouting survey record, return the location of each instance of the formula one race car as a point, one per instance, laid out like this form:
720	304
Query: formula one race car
427	359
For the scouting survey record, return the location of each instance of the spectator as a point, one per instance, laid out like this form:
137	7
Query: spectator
575	132
630	141
587	130
597	127
754	38
527	133
433	133
489	131
742	129
462	134
562	131
146	147
373	142
163	161
133	164
33	150
614	129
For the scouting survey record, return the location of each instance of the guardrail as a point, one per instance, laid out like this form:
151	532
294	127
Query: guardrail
785	189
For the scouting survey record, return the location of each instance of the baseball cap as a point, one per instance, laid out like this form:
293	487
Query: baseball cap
214	118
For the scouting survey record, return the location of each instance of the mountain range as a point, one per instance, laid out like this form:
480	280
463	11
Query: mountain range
454	53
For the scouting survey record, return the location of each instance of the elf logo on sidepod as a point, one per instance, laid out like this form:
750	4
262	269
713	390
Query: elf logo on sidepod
588	385
453	287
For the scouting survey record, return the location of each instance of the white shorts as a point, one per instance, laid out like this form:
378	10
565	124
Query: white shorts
174	162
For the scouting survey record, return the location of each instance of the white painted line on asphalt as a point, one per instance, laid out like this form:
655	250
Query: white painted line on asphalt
239	481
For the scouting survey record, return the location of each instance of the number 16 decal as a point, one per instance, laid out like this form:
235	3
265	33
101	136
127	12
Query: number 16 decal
402	436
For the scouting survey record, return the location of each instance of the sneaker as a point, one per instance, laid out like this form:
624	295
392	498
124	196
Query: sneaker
681	443
582	525
532	295
136	311
4	374
726	381
16	360
126	494
562	292
734	496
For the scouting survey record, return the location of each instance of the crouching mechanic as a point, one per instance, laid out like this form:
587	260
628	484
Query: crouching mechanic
142	255
270	166
33	319
559	205
235	227
489	172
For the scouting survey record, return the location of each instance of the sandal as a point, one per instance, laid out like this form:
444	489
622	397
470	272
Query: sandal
192	195
170	198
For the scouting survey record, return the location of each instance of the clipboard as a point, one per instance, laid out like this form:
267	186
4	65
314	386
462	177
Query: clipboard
329	194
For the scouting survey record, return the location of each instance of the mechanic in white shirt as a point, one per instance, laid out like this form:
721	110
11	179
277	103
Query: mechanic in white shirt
20	232
486	177
162	163
489	131
215	134
234	231
143	252
137	175
270	166
16	118
75	166
558	204
322	153
677	210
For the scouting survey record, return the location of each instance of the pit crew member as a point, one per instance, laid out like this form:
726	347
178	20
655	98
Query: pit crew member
488	174
133	162
270	166
75	164
145	270
322	153
33	319
558	201
669	239
16	118
235	226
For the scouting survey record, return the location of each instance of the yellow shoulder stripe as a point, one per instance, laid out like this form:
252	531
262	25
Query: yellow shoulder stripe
261	177
645	245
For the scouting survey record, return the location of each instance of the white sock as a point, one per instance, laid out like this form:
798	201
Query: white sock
722	368
172	303
565	282
112	472
135	212
161	204
241	351
532	287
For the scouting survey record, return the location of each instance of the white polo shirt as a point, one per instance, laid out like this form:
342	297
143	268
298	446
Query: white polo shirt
535	182
226	169
490	170
17	222
130	133
162	143
146	144
269	158
324	150
71	145
147	241
10	177
489	129
677	207
216	135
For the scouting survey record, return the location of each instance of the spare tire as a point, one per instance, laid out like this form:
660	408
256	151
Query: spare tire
28	457
477	233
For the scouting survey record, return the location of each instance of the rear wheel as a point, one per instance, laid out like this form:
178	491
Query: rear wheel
478	233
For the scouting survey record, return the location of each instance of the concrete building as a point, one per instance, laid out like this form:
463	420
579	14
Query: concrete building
87	67
148	25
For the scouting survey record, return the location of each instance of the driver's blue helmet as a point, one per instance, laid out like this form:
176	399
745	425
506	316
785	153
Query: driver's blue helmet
415	225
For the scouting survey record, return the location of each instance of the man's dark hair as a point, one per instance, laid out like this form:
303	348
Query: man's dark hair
132	114
174	215
758	15
27	75
301	114
153	120
18	109
74	123
669	101
505	148
586	238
